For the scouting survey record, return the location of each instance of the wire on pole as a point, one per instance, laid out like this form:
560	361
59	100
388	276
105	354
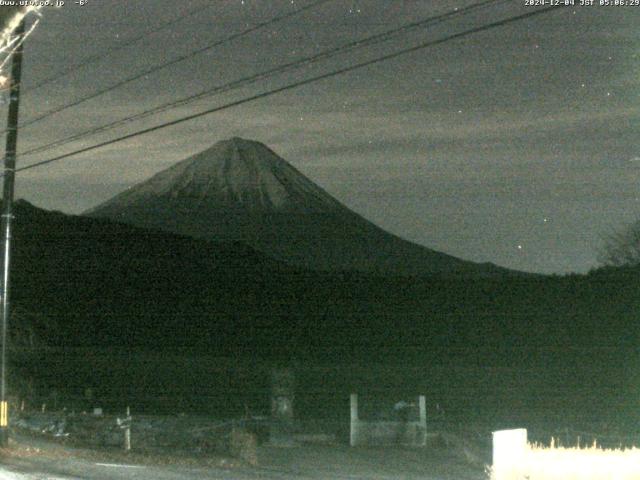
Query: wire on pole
293	85
164	65
348	47
99	56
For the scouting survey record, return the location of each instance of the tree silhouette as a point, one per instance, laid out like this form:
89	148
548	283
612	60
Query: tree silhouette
622	248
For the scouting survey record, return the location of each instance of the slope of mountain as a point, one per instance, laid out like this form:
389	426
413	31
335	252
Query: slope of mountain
86	281
92	281
240	190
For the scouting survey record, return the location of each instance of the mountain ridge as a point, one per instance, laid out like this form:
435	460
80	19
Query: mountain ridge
240	190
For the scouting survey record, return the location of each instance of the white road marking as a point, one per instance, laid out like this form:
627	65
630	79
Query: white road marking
8	475
119	465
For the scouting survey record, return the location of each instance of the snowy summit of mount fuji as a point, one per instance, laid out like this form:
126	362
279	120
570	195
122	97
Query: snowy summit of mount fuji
235	174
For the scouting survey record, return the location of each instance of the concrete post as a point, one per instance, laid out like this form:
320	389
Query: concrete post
354	420
422	403
127	432
282	397
509	452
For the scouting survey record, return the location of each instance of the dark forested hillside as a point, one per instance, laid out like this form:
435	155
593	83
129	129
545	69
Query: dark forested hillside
95	282
136	313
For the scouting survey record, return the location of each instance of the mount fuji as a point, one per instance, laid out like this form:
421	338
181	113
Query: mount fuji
240	190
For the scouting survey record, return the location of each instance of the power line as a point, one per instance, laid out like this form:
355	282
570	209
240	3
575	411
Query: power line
179	59
351	46
293	85
99	56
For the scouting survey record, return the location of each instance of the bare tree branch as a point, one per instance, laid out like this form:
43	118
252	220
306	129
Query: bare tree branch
622	248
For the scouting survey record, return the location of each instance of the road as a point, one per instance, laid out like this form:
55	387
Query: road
30	459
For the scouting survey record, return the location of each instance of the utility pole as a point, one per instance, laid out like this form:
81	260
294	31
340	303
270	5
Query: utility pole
7	216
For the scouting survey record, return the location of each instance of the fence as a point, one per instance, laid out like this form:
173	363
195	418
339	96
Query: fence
402	431
173	382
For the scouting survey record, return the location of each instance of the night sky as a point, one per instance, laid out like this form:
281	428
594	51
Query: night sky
518	145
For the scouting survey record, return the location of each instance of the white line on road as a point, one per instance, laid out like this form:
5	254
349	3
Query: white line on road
8	475
119	465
